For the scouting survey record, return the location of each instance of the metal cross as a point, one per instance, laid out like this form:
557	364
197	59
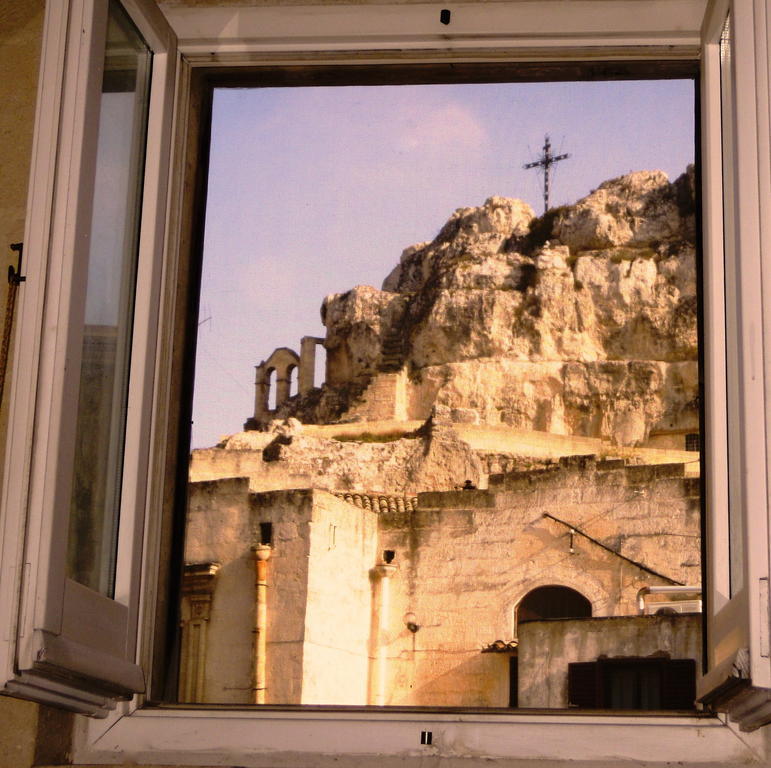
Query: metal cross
546	163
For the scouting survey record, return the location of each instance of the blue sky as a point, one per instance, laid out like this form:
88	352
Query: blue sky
315	190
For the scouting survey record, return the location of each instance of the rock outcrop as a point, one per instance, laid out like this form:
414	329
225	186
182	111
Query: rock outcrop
583	321
286	456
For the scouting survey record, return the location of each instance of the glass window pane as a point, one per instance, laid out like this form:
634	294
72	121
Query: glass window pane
726	107
497	474
109	305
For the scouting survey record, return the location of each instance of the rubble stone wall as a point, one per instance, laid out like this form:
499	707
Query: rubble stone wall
466	559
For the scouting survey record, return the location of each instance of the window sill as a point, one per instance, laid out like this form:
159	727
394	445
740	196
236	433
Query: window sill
321	737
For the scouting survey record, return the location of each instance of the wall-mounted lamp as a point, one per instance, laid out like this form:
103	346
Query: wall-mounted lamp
411	622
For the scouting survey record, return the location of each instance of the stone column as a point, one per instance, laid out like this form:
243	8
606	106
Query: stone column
381	608
307	363
197	589
283	379
261	556
261	384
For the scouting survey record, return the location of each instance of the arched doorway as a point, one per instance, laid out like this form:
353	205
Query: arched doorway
548	602
553	602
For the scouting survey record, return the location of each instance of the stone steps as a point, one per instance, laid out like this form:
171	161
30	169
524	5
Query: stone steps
392	352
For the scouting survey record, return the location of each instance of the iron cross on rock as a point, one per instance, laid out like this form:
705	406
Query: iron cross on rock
546	161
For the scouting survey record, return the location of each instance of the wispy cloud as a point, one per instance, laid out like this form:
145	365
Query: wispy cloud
444	128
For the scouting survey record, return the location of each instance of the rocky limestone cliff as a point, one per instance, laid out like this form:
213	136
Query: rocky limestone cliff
582	321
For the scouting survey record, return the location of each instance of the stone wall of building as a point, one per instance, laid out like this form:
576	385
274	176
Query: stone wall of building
466	559
547	647
220	530
459	564
319	592
338	613
388	396
647	513
290	515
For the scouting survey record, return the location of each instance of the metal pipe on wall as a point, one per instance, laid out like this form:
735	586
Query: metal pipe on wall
667	590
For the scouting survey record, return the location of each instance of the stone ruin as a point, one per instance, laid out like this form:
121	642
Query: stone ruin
283	362
580	322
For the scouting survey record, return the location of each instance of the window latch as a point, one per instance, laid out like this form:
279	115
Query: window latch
15	279
14	275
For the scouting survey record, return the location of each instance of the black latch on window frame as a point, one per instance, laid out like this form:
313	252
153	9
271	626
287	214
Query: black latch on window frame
14	275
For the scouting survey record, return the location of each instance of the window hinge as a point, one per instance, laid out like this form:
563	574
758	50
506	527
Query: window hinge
765	618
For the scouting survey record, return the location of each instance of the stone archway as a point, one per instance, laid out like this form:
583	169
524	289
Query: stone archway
547	601
283	361
553	601
566	577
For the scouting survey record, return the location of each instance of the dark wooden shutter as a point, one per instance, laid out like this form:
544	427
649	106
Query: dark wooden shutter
678	684
513	681
583	688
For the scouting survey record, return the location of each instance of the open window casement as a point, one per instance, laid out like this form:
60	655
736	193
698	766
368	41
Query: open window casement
74	495
75	643
737	235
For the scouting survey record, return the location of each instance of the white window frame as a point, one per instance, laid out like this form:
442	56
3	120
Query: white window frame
73	646
739	668
513	30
